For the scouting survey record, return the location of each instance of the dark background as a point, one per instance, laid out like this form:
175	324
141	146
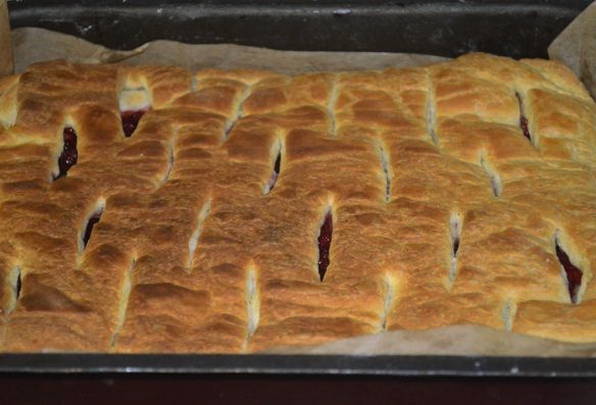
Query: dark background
288	390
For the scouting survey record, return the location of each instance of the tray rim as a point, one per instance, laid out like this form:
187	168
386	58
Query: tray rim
49	13
269	364
284	3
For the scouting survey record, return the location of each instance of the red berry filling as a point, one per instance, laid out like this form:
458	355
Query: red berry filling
69	155
574	275
18	286
324	239
89	228
277	164
455	246
273	179
523	123
130	121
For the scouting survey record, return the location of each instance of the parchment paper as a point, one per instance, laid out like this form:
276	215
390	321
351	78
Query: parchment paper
36	44
576	47
457	340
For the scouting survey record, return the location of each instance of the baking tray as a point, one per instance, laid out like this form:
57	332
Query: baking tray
299	364
448	28
514	28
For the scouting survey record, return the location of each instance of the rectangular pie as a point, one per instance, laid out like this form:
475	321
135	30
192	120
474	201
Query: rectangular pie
153	209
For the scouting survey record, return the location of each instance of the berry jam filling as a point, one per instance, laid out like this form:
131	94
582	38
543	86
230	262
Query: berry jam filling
18	286
523	123
273	179
130	121
385	167
69	155
455	229
325	244
455	246
94	219
277	164
574	275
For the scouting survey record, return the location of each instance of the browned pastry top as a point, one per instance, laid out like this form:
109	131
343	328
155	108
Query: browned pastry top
462	192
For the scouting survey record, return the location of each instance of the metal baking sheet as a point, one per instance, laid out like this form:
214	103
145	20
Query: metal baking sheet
299	365
447	28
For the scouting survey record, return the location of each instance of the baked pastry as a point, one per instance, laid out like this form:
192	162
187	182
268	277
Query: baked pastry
151	209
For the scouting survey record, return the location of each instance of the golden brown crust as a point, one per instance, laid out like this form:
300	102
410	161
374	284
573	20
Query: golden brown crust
195	253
